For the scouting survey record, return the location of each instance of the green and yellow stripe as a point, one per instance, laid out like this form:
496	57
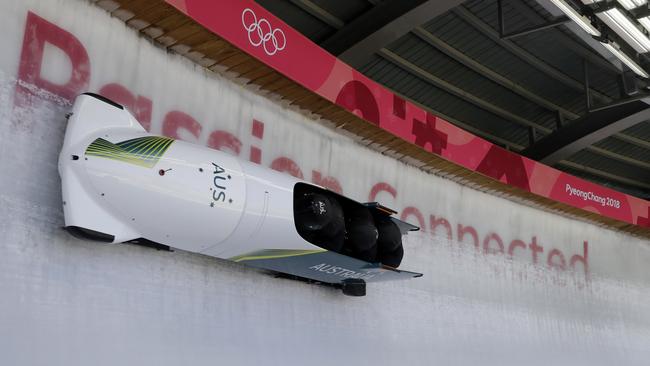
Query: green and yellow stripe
273	254
142	151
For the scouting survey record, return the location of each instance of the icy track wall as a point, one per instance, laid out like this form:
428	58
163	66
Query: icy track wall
504	283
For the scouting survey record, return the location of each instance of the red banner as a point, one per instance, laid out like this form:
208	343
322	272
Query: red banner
265	37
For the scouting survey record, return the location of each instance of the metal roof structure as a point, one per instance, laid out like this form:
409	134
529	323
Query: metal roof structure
515	72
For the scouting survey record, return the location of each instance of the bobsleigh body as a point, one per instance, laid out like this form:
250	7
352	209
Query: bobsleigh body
122	184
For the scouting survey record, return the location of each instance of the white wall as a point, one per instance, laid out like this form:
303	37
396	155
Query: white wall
66	301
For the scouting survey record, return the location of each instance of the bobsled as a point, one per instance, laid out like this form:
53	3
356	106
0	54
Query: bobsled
121	184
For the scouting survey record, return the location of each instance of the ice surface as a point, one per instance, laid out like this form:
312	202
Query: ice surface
65	301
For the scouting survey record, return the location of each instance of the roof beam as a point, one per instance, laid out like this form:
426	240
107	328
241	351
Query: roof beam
619	157
536	28
603	174
542	66
512	146
514	87
489	73
564	40
518	89
524	55
452	89
356	42
633	140
320	13
588	130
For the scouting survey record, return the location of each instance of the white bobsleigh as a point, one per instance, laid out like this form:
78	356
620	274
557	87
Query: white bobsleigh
122	184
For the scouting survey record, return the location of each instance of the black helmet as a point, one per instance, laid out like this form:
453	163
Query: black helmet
315	211
390	250
361	231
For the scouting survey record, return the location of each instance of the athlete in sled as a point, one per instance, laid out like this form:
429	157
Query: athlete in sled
122	184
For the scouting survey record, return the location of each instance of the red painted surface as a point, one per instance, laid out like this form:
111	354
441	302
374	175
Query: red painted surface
286	165
381	187
258	129
644	221
257	32
38	32
175	121
409	212
224	141
330	183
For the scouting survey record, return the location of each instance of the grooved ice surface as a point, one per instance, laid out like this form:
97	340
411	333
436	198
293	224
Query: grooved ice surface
65	301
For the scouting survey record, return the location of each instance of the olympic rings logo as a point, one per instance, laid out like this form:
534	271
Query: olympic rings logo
260	33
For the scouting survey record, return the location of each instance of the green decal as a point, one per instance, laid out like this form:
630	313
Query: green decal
273	254
142	151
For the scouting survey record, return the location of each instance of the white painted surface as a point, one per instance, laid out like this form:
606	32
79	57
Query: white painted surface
68	302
